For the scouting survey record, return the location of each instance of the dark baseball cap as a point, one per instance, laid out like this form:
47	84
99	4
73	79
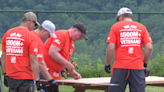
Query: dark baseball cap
82	28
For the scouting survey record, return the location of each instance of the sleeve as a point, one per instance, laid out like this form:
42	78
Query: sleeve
146	37
4	43
60	40
40	53
111	36
33	46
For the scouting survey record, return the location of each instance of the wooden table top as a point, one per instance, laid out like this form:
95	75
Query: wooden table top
103	81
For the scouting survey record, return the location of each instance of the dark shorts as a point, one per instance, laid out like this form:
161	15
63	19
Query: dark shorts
135	78
19	85
48	88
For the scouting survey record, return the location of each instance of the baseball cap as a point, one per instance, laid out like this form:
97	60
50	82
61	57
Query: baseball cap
31	16
82	28
123	10
50	27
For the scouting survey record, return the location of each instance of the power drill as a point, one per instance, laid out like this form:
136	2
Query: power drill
65	72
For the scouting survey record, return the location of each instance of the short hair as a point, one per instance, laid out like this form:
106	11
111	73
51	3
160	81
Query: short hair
127	15
40	28
24	19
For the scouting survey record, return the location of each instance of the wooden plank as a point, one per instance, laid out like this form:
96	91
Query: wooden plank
154	80
83	88
87	83
83	81
151	80
88	80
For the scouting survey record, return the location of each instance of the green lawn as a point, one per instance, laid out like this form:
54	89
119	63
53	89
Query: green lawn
148	89
71	89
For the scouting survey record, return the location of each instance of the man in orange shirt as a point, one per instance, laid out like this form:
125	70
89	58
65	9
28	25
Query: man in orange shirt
127	37
58	51
45	30
19	55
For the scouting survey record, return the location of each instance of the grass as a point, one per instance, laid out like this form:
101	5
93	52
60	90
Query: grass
71	89
63	88
148	89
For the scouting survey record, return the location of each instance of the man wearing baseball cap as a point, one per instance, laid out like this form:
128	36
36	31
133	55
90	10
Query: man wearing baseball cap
30	16
82	28
126	38
58	51
45	30
124	10
19	59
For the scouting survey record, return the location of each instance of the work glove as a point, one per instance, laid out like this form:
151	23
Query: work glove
146	70
38	85
52	82
53	87
5	80
107	69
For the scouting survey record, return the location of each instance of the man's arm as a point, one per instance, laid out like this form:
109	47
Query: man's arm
148	52
109	53
35	66
55	55
43	70
3	59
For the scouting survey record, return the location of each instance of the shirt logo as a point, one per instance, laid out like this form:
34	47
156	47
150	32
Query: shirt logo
14	44
15	35
55	74
130	50
57	41
130	36
150	38
13	59
35	50
130	27
40	55
108	38
71	49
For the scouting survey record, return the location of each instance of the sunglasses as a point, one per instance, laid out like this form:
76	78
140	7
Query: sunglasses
35	23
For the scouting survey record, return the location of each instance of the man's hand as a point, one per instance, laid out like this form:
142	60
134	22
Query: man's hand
146	70
38	85
52	82
5	80
107	68
75	74
53	85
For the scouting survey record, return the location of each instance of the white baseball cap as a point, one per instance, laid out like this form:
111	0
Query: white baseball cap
49	26
123	10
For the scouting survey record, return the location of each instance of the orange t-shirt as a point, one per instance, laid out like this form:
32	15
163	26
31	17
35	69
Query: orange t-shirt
40	46
18	43
66	45
129	36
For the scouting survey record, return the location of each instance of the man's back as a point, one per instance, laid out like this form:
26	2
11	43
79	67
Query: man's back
17	42
129	36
